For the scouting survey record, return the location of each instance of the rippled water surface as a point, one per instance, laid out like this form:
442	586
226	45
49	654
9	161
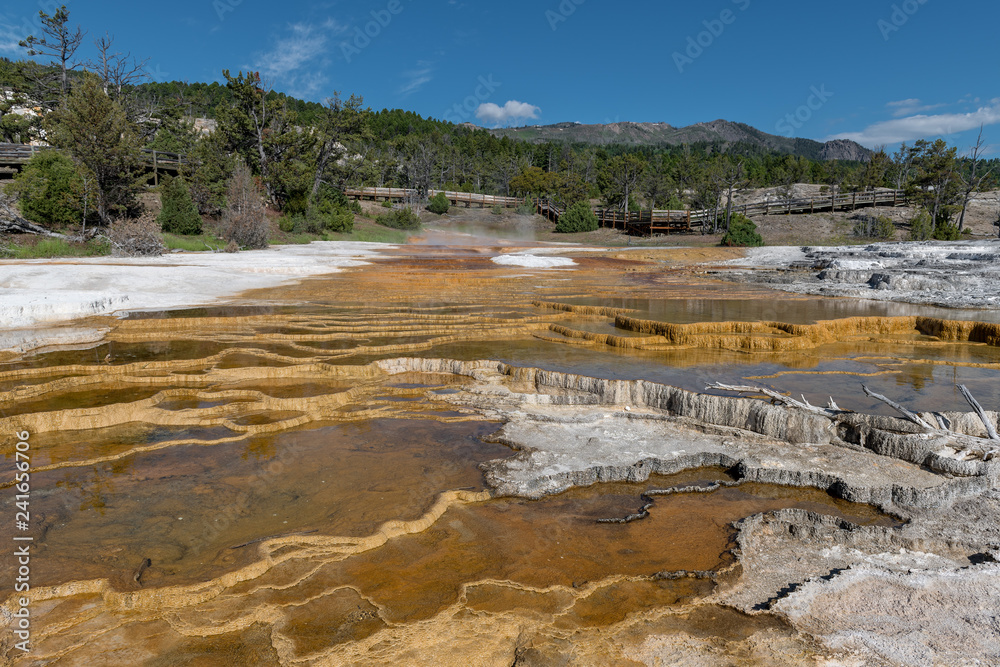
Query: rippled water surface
239	485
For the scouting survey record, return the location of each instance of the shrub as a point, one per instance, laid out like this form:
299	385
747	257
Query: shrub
439	204
330	210
921	226
946	231
403	218
497	210
579	218
244	221
525	209
874	227
50	190
287	223
387	203
179	214
135	238
742	232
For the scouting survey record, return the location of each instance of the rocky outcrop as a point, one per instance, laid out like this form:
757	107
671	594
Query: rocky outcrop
844	149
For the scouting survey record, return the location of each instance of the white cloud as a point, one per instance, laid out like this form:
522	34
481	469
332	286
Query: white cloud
416	78
923	126
910	107
335	27
497	115
10	35
298	59
292	52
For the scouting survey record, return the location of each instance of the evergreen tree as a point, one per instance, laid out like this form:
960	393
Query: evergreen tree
50	190
94	130
179	214
579	218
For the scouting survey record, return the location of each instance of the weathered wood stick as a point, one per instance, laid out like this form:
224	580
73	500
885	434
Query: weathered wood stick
146	563
787	400
991	430
910	416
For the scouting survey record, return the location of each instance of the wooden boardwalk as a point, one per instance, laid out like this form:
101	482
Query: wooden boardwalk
13	157
647	223
642	223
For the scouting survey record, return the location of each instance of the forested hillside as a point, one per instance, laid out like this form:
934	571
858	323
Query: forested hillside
303	154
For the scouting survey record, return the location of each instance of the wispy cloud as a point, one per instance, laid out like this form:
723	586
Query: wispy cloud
291	52
297	59
910	107
417	78
923	126
499	115
10	35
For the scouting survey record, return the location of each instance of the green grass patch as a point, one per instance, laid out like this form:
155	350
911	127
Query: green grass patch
192	243
47	248
373	235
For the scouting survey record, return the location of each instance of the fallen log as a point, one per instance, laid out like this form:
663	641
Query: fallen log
968	444
991	430
12	223
780	398
909	416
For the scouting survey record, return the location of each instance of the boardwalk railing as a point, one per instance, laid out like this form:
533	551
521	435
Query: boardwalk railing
655	221
16	155
456	198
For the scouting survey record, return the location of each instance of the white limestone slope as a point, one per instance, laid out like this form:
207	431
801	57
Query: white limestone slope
957	274
38	293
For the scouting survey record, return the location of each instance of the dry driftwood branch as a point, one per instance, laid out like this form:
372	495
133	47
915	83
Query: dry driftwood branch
910	416
991	430
957	441
786	400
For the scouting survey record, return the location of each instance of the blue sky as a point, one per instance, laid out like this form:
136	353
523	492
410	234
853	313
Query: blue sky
874	71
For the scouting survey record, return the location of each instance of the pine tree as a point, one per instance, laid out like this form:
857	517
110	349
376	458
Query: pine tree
179	214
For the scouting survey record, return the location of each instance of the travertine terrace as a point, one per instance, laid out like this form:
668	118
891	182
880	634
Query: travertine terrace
433	457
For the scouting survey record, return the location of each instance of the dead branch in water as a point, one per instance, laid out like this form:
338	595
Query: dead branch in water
143	566
960	442
991	430
781	398
910	416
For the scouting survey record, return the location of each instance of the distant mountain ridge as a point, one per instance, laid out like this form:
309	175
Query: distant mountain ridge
658	134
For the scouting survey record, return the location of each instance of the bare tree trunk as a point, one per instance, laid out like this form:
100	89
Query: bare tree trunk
972	184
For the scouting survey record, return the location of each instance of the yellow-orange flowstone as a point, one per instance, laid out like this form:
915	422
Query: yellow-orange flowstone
435	458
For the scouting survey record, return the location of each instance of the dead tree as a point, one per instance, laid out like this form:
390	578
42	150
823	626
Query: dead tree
985	448
57	41
974	181
118	71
